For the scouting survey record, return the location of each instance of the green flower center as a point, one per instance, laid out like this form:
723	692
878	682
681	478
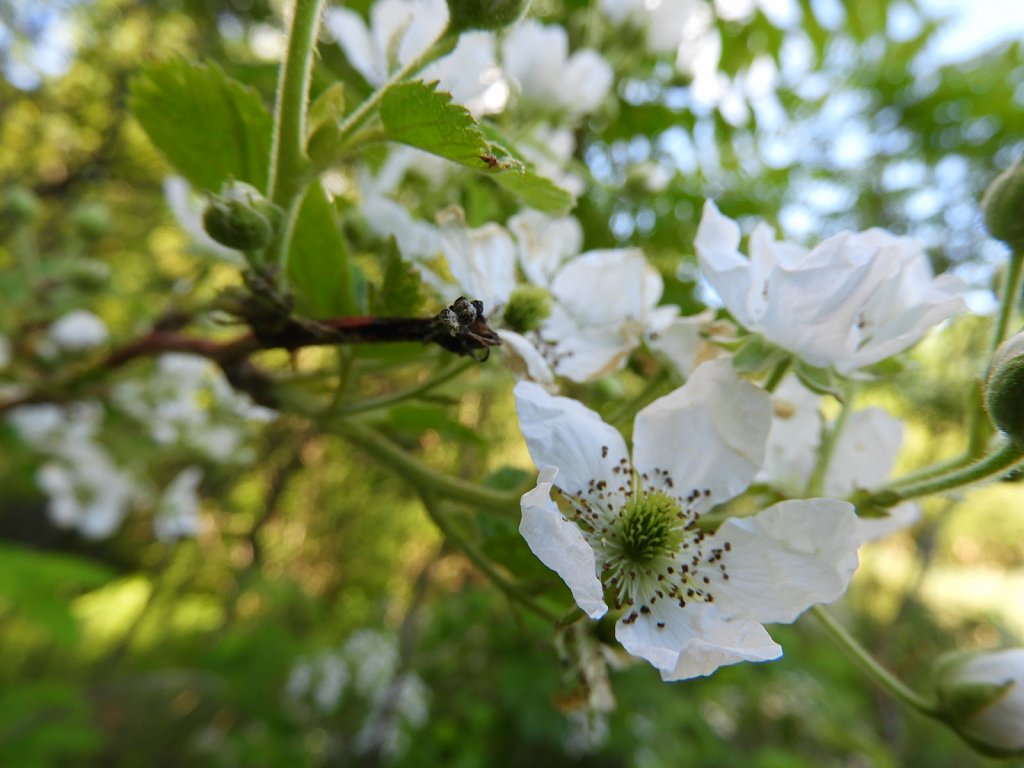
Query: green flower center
650	526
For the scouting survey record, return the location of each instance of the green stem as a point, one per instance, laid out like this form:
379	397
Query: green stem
442	46
777	374
1008	301
288	160
406	394
816	484
627	410
453	535
995	464
422	475
867	662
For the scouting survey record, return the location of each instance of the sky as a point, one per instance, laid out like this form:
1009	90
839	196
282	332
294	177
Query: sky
979	23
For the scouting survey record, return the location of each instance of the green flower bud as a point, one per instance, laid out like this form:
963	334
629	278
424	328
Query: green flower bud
241	218
21	203
484	14
528	307
1004	389
1003	205
91	220
981	696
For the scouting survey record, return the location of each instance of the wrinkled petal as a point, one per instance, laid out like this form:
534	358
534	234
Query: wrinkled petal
524	360
680	339
785	559
481	260
544	243
561	432
709	434
558	544
725	268
695	640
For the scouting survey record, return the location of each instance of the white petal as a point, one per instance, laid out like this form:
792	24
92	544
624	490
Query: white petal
587	351
710	434
900	517
349	29
561	432
680	340
524	360
544	243
785	559
587	77
560	545
865	452
794	438
717	244
481	260
695	640
608	286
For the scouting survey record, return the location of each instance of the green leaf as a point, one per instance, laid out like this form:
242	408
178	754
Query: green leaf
755	354
319	267
210	127
823	381
419	115
401	289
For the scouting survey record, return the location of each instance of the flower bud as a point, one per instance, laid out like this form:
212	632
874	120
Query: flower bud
1003	205
78	331
982	697
241	218
91	220
21	203
528	307
1004	389
484	14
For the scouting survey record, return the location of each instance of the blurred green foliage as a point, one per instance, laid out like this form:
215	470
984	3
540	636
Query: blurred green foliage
134	653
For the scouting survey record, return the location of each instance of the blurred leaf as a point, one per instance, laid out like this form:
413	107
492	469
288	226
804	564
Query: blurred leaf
44	724
38	587
417	419
401	289
211	128
319	267
419	115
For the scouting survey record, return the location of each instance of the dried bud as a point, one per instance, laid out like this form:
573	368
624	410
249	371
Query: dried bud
1003	205
1004	389
982	698
241	218
528	307
484	14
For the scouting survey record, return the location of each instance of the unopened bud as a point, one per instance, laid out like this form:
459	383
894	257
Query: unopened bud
1003	205
241	218
528	307
91	220
21	203
982	697
484	14
1004	389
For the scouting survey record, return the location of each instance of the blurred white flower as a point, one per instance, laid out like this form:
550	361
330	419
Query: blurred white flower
863	456
87	492
5	352
322	679
983	697
537	60
854	300
177	513
78	331
690	601
401	30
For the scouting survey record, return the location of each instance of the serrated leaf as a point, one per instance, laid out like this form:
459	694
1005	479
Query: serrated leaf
319	267
419	115
210	127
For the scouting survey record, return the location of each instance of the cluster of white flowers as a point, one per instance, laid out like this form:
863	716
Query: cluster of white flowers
366	670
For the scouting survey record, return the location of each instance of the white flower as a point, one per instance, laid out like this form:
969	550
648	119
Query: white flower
537	58
78	331
87	492
691	601
544	243
996	725
604	302
854	300
682	339
665	22
177	513
323	678
401	30
863	455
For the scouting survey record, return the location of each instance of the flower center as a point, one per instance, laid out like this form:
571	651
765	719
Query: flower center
650	527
